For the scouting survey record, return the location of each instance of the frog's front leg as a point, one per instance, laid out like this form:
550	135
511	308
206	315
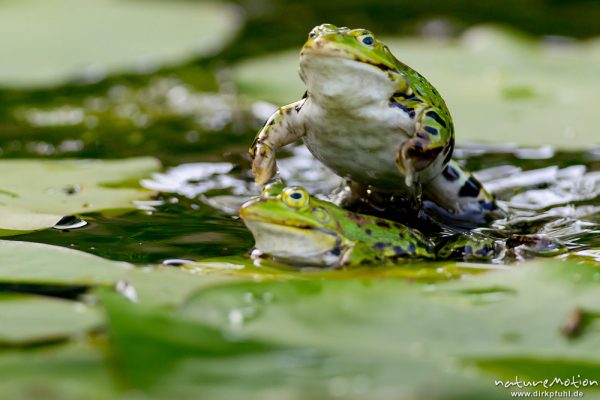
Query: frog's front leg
282	128
432	144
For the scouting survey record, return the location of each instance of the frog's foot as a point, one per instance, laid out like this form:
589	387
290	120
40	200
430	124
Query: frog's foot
415	156
456	195
263	163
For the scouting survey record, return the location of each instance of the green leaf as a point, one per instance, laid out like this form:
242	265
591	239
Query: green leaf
36	194
42	264
521	314
68	372
500	88
167	286
97	36
31	319
170	356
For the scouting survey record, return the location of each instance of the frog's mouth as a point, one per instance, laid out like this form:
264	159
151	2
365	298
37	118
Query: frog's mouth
358	59
305	243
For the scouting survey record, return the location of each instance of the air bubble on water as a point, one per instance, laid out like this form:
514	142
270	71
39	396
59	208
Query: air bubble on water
176	262
70	222
235	318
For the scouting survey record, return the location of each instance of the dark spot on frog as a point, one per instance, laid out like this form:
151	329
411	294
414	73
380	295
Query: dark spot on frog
368	231
336	251
450	150
380	246
399	251
435	116
489	205
431	130
485	250
411	248
382	223
468	249
271	122
360	220
409	110
471	188
450	173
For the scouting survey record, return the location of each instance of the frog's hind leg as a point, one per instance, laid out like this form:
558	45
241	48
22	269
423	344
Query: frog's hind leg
461	195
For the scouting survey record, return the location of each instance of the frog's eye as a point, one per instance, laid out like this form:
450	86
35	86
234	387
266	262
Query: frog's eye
367	39
295	197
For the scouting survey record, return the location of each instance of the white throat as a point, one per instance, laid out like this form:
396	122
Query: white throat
337	82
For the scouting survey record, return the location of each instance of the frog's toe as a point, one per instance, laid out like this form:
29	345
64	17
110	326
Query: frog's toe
263	169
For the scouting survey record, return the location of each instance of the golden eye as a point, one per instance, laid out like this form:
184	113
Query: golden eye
366	38
295	197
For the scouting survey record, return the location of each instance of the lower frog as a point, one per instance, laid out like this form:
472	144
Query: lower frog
373	120
290	224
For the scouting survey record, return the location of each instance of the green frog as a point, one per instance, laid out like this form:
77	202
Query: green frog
373	120
290	224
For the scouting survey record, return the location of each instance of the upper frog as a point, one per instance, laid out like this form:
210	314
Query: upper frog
373	120
290	224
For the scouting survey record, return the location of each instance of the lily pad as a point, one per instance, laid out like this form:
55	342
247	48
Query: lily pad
70	372
171	356
31	319
42	264
36	194
46	43
499	87
525	314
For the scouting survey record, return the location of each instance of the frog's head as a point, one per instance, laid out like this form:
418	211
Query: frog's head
290	224
352	59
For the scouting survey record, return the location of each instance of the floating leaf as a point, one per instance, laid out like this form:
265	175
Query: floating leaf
98	36
526	314
42	264
70	372
170	356
36	194
160	286
499	88
31	319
